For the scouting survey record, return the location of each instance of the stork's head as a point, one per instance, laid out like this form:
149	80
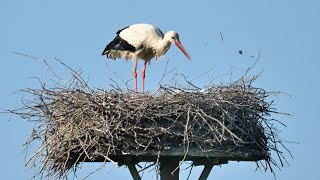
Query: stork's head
173	37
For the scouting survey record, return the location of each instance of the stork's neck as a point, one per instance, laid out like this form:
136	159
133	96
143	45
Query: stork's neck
162	46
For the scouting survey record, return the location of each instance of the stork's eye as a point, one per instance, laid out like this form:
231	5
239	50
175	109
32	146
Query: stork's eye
173	38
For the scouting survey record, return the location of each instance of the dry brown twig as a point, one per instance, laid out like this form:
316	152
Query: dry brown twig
75	123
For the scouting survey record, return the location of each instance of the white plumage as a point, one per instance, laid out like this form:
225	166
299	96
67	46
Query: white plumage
141	41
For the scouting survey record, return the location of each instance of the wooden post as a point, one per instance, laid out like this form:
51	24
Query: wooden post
167	166
206	171
133	170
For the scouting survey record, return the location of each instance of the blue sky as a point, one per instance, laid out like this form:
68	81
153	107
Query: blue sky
286	33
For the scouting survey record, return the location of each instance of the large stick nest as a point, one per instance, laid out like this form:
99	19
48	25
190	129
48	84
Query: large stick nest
75	123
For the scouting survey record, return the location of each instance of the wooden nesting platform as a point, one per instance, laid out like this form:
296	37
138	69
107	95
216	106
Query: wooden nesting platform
169	160
196	155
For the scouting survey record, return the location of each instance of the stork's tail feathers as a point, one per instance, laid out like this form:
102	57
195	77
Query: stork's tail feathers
118	44
104	52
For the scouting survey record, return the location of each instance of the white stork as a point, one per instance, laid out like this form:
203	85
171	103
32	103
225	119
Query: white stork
141	41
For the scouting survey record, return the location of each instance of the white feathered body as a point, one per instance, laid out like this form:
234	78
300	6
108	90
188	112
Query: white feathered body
138	41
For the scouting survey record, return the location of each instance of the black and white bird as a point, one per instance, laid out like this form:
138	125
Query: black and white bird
142	41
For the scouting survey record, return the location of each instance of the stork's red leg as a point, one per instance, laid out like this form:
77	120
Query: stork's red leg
143	75
134	73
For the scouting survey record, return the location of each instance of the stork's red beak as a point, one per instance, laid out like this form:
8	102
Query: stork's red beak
180	46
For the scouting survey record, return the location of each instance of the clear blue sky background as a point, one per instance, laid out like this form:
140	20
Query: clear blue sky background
285	32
